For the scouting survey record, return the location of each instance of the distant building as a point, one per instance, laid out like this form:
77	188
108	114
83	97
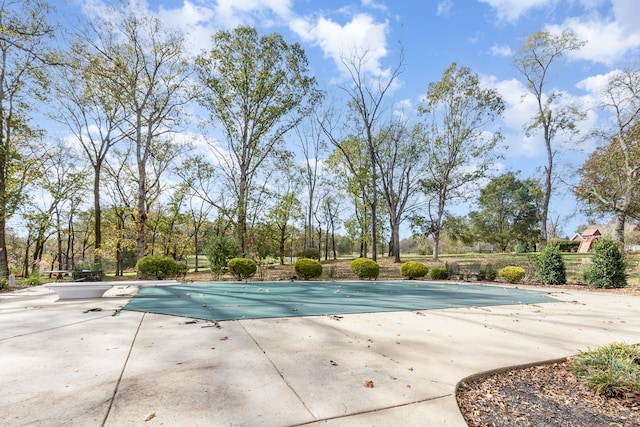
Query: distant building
587	238
592	233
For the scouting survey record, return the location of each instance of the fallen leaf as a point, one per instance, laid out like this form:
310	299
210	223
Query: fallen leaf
224	338
150	416
367	383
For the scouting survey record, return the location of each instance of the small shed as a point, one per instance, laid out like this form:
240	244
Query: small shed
587	239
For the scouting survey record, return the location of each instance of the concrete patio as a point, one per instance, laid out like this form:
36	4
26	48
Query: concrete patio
86	363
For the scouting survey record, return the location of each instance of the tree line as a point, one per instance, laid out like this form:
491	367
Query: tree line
165	152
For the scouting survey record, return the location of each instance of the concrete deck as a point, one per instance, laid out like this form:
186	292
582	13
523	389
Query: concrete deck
74	363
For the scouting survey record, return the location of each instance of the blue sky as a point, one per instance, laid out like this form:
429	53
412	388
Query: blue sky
480	34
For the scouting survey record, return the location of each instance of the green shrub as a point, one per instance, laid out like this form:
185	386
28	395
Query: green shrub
219	251
488	273
608	267
565	245
308	268
242	268
157	267
311	253
550	268
33	279
365	268
413	270
438	273
511	273
611	370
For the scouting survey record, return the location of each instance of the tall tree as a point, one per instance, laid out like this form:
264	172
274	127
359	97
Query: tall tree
312	144
24	59
457	142
89	108
150	77
610	178
507	213
257	89
397	158
366	94
533	62
351	168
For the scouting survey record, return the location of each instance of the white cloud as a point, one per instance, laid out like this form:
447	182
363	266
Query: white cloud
521	107
360	35
231	13
501	50
194	21
512	10
373	5
595	84
444	7
606	41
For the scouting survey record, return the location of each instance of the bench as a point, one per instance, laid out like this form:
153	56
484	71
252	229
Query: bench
464	270
78	290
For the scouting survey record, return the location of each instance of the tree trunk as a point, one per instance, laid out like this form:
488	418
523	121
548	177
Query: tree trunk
281	243
97	230
141	218
395	241
618	231
4	262
436	243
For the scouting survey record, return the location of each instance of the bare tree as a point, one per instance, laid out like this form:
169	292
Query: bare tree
533	61
398	158
366	95
610	178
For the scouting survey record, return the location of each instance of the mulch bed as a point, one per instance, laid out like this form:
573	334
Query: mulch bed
542	396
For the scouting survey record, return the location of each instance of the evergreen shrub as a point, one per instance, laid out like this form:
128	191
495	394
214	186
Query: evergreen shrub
308	268
413	270
488	273
242	268
511	273
157	267
219	251
608	266
550	268
365	268
438	273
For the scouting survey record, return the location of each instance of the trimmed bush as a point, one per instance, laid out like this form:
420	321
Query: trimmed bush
550	268
565	245
511	273
157	267
413	270
608	267
242	268
308	268
365	268
438	273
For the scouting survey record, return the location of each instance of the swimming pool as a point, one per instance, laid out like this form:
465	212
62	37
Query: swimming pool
219	301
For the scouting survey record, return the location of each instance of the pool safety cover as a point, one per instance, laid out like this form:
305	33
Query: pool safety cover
219	301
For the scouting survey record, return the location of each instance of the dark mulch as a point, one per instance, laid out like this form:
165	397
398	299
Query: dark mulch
542	396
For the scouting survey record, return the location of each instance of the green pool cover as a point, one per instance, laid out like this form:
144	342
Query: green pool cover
254	300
